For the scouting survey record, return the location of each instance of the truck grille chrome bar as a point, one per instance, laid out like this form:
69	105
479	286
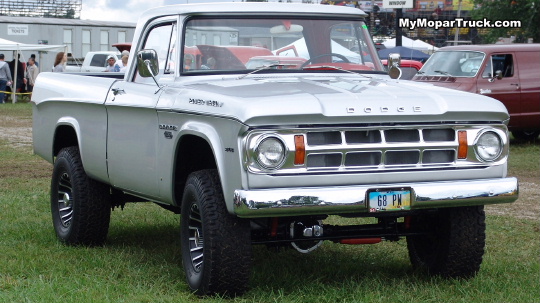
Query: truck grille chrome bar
374	149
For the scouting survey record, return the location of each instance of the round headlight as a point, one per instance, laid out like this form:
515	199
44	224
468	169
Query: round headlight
270	153
489	146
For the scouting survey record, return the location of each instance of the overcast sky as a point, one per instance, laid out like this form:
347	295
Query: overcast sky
127	11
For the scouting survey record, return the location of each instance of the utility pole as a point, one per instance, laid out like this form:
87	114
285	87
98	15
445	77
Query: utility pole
456	35
399	32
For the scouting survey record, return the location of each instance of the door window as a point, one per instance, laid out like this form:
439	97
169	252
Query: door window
502	62
162	39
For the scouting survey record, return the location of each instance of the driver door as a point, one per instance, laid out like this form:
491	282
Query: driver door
133	125
507	90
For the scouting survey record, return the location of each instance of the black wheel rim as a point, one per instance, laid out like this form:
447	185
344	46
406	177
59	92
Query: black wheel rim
196	241
65	200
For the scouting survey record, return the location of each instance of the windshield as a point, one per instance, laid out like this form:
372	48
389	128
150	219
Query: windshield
453	63
225	45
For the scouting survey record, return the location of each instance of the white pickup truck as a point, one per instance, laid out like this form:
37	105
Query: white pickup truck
264	155
93	62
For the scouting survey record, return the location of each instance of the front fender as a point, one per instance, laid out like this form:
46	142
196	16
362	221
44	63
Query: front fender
222	135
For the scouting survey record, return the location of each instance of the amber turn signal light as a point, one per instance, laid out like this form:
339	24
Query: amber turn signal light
463	147
300	150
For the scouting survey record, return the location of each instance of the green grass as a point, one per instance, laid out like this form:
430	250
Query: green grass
525	159
141	261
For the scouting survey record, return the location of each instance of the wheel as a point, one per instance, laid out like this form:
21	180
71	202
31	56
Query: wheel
455	248
216	246
340	56
525	135
80	206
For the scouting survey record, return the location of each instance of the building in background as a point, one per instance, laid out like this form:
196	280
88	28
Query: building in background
80	36
58	22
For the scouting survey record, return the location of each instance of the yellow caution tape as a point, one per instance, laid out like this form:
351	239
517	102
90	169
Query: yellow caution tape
15	93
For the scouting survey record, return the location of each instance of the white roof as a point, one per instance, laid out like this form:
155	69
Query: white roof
65	22
251	7
410	43
7	45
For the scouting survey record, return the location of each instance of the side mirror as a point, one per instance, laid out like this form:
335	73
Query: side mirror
147	63
498	76
394	60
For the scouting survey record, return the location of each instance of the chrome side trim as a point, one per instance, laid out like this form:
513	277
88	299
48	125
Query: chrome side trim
352	199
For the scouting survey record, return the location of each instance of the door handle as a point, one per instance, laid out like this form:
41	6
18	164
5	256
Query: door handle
118	91
516	84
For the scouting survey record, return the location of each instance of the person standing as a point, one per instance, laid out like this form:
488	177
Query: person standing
112	67
33	56
5	77
119	61
60	62
16	66
32	72
124	62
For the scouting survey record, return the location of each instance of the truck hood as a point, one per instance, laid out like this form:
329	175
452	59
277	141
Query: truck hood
323	99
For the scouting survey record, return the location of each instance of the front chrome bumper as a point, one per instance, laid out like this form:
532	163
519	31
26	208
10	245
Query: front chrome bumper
352	199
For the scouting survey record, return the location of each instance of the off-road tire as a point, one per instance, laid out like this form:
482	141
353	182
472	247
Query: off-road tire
456	248
80	206
216	246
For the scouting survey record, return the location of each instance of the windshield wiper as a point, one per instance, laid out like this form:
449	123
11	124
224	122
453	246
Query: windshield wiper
443	72
264	67
333	67
420	72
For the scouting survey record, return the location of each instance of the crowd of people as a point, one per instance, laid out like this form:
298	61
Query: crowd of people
24	79
114	65
27	72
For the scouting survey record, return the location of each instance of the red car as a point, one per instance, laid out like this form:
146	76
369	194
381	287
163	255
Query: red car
508	73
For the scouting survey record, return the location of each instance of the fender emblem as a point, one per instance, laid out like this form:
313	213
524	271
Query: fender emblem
168	127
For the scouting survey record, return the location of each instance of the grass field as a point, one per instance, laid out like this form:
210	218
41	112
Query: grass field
141	261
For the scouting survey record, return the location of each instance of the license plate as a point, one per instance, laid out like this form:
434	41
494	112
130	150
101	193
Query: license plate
389	199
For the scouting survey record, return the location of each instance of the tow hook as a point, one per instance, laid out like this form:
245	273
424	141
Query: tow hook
306	230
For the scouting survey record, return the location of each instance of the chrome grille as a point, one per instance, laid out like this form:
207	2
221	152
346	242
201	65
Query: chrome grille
380	148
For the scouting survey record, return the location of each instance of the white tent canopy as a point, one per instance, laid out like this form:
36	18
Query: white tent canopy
7	45
16	47
410	43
